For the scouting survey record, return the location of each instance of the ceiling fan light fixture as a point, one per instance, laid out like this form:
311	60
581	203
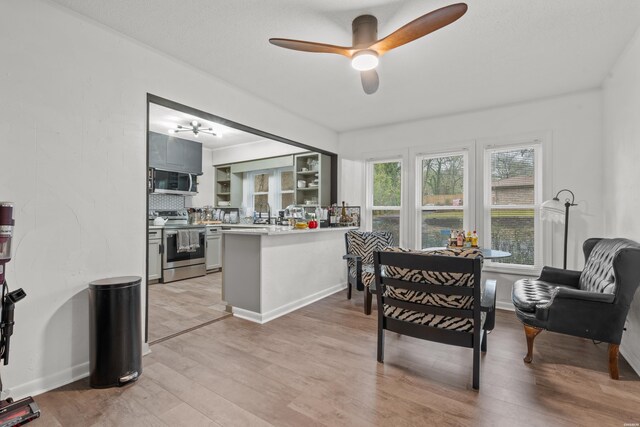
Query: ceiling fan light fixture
368	47
365	60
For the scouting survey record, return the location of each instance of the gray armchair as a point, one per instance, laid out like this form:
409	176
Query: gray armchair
592	303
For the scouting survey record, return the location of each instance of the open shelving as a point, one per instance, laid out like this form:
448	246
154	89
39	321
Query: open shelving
312	177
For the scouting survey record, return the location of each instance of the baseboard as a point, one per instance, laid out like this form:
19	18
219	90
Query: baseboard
632	359
44	384
502	305
295	305
69	375
252	316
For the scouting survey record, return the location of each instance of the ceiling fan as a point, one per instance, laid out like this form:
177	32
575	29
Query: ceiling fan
367	48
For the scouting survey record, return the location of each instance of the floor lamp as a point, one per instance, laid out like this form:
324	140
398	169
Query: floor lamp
552	211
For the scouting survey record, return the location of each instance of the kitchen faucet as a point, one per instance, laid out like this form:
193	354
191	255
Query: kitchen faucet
260	209
268	213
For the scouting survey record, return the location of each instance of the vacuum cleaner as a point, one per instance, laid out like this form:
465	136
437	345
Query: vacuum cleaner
19	412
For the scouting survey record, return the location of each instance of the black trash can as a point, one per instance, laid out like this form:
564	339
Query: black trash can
115	331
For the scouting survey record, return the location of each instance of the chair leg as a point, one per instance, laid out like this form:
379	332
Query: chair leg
613	361
380	344
476	368
483	346
531	333
367	300
349	290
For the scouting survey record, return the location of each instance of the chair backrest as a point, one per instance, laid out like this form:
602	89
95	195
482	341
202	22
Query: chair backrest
436	288
363	243
598	274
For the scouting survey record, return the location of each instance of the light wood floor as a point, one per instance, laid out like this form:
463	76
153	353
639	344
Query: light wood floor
179	306
317	366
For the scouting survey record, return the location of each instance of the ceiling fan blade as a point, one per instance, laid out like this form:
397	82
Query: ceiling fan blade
312	47
370	81
420	27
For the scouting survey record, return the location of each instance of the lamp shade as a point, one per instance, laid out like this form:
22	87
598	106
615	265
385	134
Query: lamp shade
553	210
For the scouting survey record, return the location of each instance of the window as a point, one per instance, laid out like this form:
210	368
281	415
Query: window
272	186
384	201
512	197
287	189
442	198
260	190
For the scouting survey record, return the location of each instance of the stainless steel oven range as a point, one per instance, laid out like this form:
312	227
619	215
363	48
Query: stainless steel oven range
182	265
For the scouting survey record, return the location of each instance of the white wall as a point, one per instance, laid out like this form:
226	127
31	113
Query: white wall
253	151
72	158
621	152
573	123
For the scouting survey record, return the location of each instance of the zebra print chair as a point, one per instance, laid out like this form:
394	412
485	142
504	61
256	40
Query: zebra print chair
434	296
360	246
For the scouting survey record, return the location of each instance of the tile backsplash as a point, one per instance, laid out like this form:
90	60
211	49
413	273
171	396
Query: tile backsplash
165	201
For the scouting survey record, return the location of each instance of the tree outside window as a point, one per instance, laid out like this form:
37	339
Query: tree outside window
442	203
387	196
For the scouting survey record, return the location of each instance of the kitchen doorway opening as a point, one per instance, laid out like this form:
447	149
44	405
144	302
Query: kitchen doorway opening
206	172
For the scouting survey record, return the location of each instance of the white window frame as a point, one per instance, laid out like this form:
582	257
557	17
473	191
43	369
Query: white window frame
540	162
420	208
369	195
275	188
279	191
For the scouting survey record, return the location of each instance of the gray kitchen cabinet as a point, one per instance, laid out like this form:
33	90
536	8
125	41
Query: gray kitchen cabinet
155	255
313	171
174	154
213	252
157	151
228	187
192	157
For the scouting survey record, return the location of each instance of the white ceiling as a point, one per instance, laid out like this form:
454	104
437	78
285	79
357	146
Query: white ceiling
500	52
161	119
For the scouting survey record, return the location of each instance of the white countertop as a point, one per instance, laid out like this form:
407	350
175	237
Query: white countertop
155	227
260	229
274	230
243	225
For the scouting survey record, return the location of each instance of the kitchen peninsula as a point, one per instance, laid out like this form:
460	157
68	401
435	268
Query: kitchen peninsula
269	271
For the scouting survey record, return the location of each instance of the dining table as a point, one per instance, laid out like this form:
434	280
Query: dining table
487	253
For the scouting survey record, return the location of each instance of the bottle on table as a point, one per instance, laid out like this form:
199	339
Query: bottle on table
333	215
474	239
344	218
